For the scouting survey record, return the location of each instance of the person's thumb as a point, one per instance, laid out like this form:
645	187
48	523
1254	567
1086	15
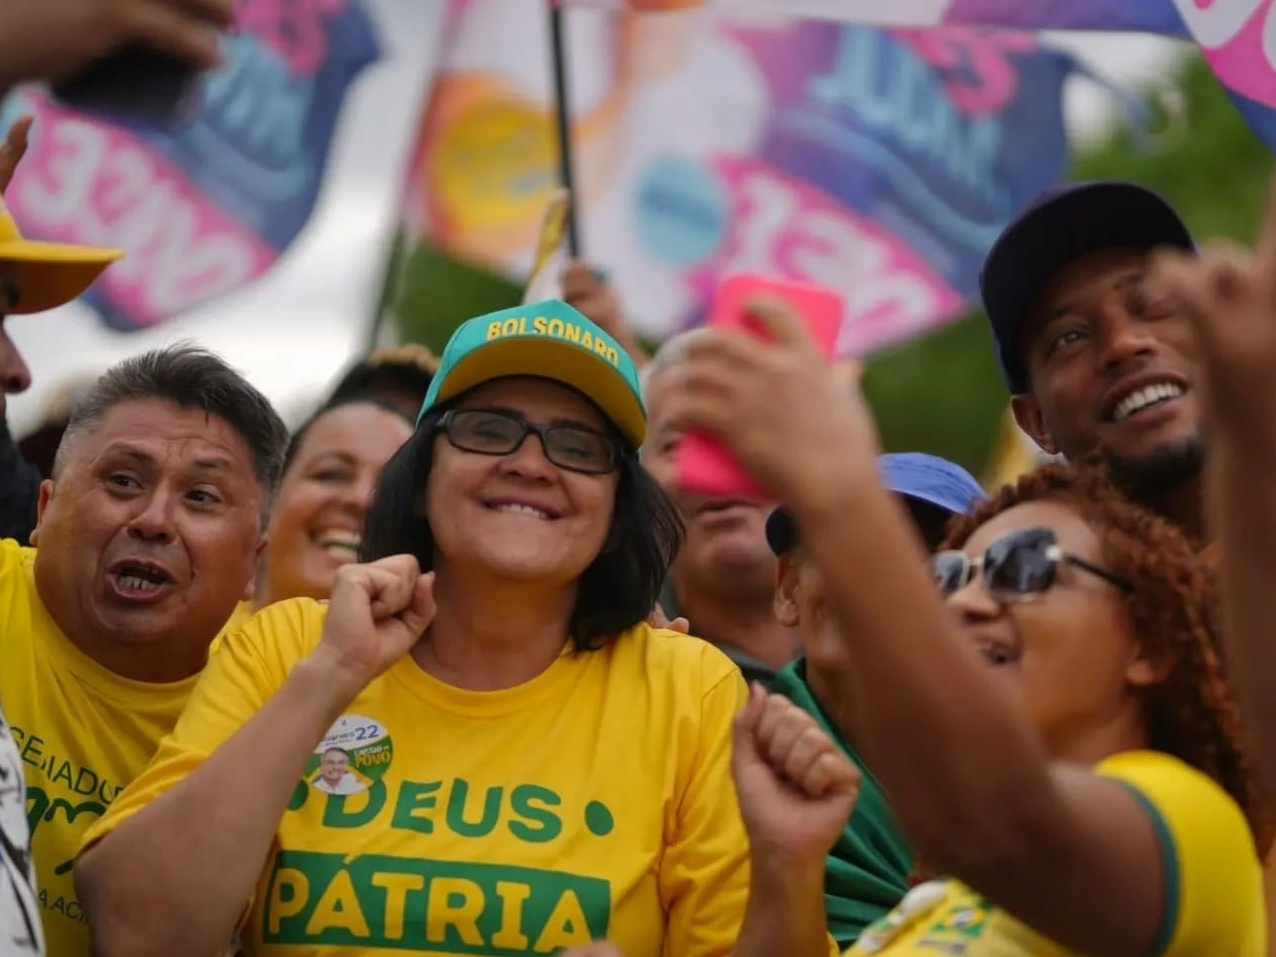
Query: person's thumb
13	149
744	749
849	373
779	321
420	611
1183	278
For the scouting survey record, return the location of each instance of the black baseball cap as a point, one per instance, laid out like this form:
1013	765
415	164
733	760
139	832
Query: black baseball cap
1058	227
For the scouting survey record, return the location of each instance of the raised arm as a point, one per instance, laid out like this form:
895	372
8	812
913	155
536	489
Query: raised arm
588	289
797	790
1230	296
184	845
970	781
55	39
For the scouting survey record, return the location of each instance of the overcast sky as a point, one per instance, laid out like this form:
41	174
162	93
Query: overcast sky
295	330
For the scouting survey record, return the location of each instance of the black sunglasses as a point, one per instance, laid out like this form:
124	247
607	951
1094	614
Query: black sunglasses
497	432
1016	567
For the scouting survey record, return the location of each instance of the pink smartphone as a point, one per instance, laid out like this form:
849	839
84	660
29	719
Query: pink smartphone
704	466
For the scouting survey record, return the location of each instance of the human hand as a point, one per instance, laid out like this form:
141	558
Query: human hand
377	611
56	39
796	787
1229	295
13	149
658	619
793	420
850	372
587	290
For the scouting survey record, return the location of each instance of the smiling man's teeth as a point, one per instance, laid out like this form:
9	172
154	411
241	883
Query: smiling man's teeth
1148	395
138	583
522	509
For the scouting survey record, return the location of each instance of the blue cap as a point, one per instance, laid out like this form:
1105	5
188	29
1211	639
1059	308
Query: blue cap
1058	227
920	478
930	479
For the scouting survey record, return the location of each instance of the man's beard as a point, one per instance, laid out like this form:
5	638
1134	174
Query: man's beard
1148	478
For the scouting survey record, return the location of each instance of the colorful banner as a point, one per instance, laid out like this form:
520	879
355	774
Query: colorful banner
205	209
1237	37
879	163
1147	16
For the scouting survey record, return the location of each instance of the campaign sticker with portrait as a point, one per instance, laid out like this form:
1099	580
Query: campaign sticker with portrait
353	754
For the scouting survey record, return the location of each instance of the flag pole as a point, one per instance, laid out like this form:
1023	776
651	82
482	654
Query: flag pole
563	125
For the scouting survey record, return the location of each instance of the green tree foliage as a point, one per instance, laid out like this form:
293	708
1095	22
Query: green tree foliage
943	393
429	293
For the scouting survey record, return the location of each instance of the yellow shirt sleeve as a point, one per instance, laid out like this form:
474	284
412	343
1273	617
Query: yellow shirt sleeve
704	874
1269	899
1213	879
243	612
250	665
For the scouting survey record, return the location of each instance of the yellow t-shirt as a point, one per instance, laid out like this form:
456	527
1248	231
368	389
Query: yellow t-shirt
83	733
238	618
593	801
1214	881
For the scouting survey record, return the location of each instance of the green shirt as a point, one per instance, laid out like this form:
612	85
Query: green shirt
868	869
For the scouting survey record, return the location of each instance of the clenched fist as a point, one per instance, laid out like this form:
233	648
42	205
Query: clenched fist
797	788
376	613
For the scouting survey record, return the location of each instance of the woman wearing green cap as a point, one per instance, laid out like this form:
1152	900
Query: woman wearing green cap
526	764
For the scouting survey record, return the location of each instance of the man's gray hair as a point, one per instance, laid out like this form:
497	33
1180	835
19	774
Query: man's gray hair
190	378
671	353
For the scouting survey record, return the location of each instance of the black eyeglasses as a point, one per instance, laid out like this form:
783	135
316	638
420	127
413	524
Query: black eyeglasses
1016	567
495	432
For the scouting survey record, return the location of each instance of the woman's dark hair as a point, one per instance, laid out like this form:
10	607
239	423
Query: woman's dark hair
408	368
1173	608
299	434
617	591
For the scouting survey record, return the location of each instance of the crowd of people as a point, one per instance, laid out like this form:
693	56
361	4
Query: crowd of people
458	666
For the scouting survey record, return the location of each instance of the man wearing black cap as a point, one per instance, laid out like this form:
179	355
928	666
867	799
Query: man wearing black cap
1095	353
1098	342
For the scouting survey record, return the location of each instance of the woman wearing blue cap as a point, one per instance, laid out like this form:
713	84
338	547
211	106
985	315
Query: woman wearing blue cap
528	764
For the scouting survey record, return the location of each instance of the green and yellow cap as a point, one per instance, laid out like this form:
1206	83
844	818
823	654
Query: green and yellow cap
550	340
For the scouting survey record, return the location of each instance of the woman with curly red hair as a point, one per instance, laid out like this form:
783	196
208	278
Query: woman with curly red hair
1055	734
